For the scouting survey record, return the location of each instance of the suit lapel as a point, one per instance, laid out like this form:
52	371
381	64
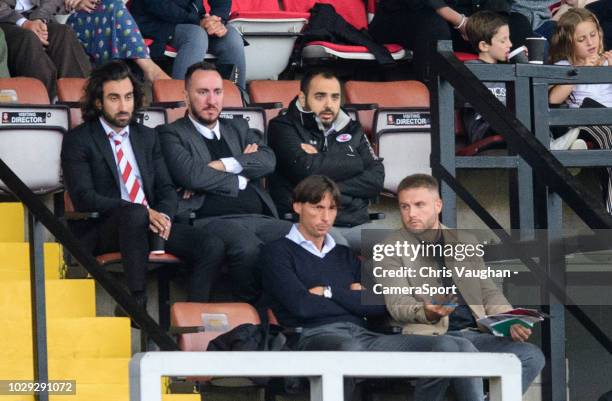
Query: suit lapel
101	141
194	137
232	140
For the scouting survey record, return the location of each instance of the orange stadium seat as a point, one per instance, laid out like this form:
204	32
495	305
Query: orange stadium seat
170	94
400	125
70	92
269	92
31	133
197	324
384	94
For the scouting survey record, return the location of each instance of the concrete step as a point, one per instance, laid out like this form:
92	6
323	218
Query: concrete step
12	217
87	337
15	260
65	298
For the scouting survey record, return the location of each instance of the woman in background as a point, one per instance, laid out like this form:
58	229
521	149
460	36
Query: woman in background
108	31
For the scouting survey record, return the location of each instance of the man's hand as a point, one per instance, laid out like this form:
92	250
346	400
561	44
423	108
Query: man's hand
39	28
159	224
251	148
519	333
213	25
217	165
311	150
317	290
439	307
356	287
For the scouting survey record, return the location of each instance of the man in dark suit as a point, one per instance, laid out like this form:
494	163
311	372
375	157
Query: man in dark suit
218	163
115	167
39	47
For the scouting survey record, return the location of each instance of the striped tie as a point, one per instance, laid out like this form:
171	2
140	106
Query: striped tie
128	176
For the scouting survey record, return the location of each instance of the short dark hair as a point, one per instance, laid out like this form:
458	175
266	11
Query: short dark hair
419	181
482	26
115	70
310	75
199	66
313	188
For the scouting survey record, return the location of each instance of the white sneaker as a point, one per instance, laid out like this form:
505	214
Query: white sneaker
566	140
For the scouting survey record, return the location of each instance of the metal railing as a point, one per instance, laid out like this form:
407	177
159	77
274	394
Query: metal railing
535	198
38	216
325	370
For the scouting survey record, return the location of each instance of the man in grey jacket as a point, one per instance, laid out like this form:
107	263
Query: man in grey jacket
39	47
468	299
218	165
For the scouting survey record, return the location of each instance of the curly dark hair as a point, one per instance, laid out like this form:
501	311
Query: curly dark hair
115	70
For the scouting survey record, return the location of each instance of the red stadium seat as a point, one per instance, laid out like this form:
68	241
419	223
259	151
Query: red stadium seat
354	12
271	34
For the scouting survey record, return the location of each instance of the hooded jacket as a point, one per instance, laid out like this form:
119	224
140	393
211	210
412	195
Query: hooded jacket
344	155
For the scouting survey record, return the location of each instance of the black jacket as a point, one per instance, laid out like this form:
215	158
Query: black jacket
345	156
327	25
187	158
465	6
90	170
158	18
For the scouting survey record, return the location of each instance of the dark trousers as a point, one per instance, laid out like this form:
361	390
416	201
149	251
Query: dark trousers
418	30
27	57
344	336
126	229
243	236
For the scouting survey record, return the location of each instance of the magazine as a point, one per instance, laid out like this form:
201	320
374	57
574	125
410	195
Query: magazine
500	324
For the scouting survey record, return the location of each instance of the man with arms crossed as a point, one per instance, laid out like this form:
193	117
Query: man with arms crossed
315	284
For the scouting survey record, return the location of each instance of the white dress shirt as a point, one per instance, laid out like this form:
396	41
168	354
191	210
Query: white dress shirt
23	6
128	153
296	236
230	163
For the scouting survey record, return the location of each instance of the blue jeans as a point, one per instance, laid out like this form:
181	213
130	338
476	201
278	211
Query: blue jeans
345	336
192	43
531	357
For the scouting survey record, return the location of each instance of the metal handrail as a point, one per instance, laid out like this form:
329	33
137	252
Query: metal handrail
67	239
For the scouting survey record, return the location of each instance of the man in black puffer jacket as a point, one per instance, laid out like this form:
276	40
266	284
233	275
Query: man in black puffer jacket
315	136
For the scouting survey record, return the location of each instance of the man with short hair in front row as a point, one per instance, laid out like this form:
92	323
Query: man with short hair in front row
474	298
315	284
115	167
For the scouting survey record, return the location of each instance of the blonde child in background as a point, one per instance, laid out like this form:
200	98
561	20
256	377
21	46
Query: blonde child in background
578	41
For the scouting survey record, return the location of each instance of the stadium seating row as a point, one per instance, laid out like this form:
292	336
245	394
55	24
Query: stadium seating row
395	115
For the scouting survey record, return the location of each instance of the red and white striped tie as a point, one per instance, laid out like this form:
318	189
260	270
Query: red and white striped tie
128	176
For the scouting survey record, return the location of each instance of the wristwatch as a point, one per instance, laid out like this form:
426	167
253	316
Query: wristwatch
327	292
